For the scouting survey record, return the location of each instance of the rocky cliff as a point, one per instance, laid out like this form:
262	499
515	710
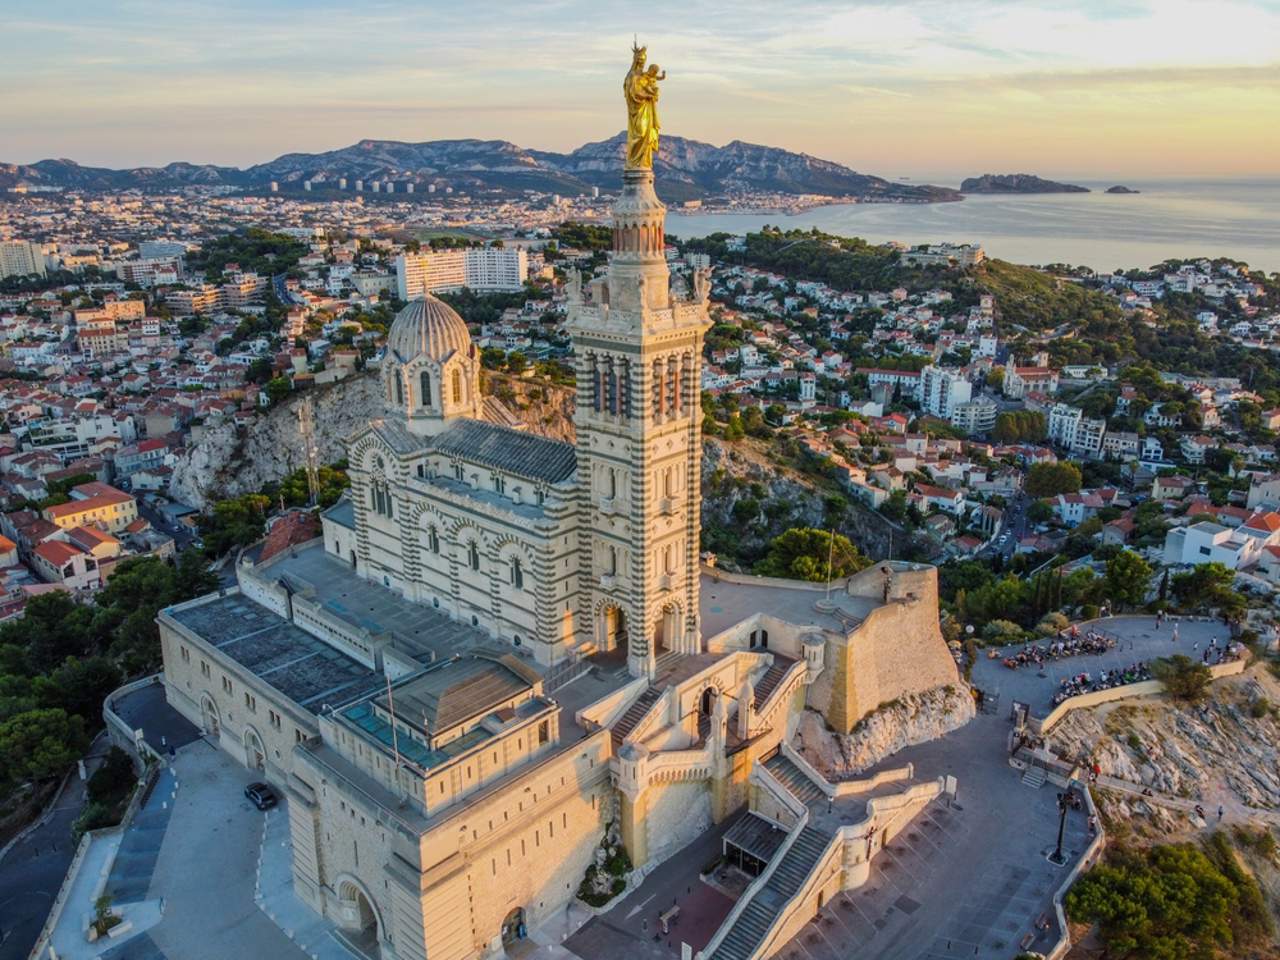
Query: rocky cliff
748	498
916	718
227	461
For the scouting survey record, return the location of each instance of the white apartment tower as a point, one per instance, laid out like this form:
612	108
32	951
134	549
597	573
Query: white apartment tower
483	269
942	390
19	258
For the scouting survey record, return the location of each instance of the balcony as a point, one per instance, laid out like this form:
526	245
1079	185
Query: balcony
609	506
608	580
666	582
668	506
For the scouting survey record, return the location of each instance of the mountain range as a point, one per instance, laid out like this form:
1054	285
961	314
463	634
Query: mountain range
685	169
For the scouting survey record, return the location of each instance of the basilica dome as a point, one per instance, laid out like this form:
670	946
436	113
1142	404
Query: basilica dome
428	328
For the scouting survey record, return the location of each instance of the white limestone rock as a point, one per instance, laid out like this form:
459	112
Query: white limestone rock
916	718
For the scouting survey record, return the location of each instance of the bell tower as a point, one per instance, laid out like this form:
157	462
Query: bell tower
638	356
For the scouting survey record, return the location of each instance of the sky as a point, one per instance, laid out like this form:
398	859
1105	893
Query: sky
930	90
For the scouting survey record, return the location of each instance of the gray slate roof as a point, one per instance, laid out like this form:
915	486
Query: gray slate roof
513	451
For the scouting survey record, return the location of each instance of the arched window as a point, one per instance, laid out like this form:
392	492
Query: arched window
399	387
473	555
457	386
424	386
433	539
517	574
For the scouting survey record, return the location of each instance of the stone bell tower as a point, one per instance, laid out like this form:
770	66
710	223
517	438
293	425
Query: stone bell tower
638	355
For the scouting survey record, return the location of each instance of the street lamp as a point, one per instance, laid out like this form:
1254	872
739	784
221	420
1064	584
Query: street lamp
1056	856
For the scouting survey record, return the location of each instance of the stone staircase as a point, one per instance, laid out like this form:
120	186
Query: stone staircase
794	779
758	917
772	677
665	661
623	726
1034	777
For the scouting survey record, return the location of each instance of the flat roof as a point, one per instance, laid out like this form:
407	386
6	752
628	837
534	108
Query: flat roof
304	669
724	604
418	630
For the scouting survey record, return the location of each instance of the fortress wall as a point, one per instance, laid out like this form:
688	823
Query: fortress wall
897	650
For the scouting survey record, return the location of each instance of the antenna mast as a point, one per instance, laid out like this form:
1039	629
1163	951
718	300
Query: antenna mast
307	428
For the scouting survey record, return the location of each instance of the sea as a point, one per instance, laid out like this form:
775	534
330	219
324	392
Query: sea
1185	219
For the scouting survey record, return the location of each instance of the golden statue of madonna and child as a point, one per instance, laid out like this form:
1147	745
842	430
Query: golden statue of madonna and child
640	88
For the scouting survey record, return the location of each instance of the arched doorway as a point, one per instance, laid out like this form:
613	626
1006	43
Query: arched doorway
513	927
613	628
255	754
210	722
708	702
667	632
358	917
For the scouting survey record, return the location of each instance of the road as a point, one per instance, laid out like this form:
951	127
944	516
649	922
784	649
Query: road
33	869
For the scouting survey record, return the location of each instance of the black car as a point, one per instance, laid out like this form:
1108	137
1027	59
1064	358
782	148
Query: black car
261	796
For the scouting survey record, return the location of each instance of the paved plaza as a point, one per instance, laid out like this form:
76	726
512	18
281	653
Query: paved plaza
1138	640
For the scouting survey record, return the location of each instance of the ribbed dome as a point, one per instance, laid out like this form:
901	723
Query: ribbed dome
430	328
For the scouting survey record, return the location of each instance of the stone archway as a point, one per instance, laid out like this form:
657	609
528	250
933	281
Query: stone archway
611	628
210	721
255	753
513	927
358	918
666	632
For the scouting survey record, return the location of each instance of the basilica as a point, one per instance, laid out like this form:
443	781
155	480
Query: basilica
503	650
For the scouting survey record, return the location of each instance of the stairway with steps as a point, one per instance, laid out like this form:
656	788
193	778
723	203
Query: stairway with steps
664	661
623	726
1034	777
772	677
794	779
760	914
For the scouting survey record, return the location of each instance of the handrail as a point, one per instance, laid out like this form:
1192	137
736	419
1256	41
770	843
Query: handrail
759	882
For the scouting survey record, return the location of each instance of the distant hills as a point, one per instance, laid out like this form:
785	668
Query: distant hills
1016	183
686	169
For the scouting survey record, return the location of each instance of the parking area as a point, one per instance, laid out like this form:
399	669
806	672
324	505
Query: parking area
207	866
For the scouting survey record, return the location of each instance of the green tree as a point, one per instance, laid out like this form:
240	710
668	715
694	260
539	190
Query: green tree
80	686
40	744
801	553
1128	579
1051	479
1169	902
1183	678
53	627
277	389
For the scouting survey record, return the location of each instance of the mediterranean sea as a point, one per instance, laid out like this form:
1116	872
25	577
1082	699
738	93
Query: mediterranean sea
1185	219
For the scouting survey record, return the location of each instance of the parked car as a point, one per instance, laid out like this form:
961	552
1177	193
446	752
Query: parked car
261	796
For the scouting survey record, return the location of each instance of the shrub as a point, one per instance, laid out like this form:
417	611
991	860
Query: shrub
1183	677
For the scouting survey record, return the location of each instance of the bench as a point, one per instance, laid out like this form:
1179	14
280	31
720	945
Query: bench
667	917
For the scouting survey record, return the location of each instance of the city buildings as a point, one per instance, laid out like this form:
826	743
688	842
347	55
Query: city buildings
492	269
941	391
19	258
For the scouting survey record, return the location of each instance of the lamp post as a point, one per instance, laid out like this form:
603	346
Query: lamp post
1056	856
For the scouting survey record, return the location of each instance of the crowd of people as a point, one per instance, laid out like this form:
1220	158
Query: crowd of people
1068	643
1106	679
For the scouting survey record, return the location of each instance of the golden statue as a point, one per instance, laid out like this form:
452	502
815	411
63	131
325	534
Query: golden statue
640	88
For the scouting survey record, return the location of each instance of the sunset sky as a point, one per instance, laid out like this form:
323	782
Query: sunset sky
926	89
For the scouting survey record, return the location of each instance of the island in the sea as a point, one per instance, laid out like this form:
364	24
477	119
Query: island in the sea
1120	188
1016	183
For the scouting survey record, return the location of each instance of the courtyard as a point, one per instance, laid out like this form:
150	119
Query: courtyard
1138	639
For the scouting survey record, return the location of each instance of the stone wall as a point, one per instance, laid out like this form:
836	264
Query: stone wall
678	814
896	651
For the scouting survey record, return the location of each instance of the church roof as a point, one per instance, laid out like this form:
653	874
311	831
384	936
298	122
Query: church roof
428	327
397	436
514	451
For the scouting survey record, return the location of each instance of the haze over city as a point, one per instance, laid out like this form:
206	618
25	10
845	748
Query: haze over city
913	89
